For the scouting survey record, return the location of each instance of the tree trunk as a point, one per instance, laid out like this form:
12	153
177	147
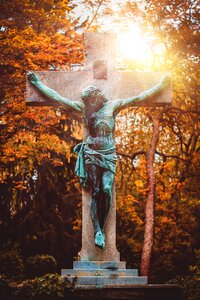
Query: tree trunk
150	201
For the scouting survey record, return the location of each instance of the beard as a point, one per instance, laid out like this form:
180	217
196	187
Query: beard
93	104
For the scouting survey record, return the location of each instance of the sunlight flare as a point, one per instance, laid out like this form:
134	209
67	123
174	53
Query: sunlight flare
135	46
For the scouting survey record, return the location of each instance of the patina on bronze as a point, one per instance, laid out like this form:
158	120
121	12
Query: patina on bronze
96	161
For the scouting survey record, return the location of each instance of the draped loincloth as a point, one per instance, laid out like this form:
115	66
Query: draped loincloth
105	159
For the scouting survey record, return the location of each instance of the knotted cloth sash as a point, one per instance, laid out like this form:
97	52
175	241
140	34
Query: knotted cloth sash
105	159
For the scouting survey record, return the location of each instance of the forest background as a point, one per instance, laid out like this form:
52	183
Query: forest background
40	197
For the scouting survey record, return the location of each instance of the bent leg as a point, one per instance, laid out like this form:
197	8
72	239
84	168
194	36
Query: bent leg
95	178
107	185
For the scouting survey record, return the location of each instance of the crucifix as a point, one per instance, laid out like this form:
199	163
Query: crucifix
99	92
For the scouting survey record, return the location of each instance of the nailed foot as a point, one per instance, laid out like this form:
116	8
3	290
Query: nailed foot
100	239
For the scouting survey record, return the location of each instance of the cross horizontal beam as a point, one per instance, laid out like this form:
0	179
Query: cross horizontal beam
118	85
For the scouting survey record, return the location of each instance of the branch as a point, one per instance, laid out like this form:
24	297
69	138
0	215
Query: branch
132	156
95	14
170	156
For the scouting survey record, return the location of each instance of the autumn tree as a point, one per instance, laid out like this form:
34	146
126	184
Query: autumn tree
36	160
175	24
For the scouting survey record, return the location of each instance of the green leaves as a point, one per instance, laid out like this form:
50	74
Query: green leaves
50	285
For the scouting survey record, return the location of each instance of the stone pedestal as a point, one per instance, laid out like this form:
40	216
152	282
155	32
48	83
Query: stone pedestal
102	274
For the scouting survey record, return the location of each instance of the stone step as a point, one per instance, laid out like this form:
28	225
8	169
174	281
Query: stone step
106	281
100	272
99	265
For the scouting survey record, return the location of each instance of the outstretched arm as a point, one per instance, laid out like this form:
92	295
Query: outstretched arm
53	95
147	95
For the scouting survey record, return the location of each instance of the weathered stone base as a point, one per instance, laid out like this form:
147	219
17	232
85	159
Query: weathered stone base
138	292
102	274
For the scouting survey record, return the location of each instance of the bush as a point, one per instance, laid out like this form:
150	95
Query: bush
190	285
40	265
4	288
11	263
50	286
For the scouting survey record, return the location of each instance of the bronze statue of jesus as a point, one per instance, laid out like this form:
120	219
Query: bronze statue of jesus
96	163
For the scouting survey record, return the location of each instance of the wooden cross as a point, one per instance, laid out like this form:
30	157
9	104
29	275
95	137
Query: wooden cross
100	70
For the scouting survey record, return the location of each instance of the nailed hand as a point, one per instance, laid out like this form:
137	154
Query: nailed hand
33	78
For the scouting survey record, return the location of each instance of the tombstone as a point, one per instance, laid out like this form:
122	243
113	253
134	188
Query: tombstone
99	267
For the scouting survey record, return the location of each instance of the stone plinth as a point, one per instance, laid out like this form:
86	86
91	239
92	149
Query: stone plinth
102	274
99	265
